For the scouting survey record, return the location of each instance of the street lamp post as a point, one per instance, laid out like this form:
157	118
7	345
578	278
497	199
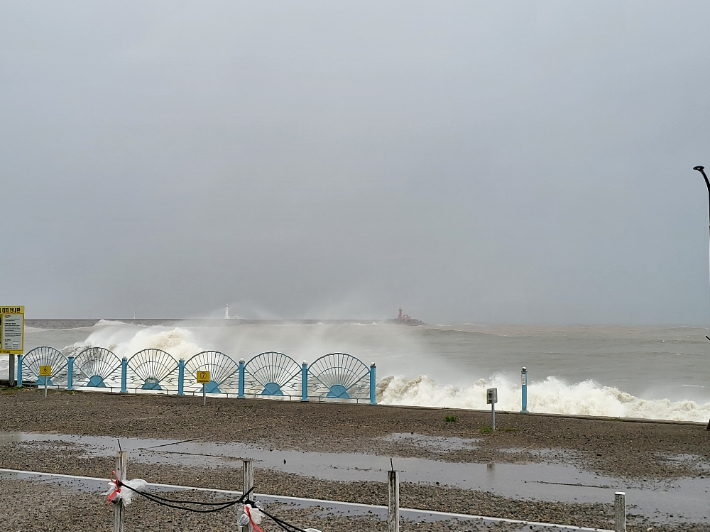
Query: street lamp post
701	169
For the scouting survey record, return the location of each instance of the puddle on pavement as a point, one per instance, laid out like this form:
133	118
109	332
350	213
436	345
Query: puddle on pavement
693	461
551	455
684	498
432	443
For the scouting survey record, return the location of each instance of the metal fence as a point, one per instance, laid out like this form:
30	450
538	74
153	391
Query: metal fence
335	376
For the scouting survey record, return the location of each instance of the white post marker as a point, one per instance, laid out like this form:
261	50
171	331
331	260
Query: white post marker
492	399
203	377
46	372
393	503
248	470
119	511
12	335
620	511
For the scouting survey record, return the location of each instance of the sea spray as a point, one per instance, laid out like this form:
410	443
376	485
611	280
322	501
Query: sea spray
125	341
552	395
634	374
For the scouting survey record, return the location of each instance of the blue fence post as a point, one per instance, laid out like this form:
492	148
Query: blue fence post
181	376
70	373
19	371
373	384
304	381
524	382
241	378
124	373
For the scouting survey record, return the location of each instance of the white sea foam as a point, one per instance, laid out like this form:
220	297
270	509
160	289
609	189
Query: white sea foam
128	340
394	351
109	323
552	395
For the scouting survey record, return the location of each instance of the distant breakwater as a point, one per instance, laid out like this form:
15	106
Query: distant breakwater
191	322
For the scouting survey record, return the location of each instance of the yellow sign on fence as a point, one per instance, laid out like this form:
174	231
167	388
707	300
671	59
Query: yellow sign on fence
12	330
203	377
45	371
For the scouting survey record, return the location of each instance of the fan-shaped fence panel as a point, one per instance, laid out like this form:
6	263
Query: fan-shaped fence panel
44	356
339	376
152	369
96	367
269	374
272	373
224	372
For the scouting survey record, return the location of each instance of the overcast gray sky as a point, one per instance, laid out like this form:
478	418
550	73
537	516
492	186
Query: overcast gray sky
520	162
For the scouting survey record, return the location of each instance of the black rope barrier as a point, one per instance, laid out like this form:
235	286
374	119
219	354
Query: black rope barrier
283	524
175	503
217	506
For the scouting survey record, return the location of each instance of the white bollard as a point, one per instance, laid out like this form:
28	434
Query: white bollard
393	506
119	511
620	511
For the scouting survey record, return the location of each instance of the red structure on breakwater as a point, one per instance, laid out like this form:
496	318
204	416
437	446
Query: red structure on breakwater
406	319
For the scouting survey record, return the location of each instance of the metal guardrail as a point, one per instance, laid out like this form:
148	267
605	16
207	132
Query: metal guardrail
334	376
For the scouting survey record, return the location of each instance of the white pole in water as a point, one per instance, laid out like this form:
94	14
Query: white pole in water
620	511
119	511
701	169
393	506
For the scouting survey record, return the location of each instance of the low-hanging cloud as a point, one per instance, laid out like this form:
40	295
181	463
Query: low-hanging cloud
473	162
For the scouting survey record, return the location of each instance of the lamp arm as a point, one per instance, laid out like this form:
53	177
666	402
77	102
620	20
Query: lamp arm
701	169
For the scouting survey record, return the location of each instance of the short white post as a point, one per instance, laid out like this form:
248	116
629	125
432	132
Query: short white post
204	395
119	511
620	512
493	416
248	468
393	506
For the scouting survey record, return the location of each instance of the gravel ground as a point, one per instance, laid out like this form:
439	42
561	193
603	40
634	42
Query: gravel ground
421	496
612	447
634	450
41	506
46	506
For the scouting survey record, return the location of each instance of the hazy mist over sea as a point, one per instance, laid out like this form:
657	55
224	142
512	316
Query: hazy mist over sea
652	372
486	162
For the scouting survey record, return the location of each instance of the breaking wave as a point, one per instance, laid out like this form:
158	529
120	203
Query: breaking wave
552	396
109	323
125	341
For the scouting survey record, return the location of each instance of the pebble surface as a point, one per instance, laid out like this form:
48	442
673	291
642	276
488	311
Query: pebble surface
633	450
41	507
